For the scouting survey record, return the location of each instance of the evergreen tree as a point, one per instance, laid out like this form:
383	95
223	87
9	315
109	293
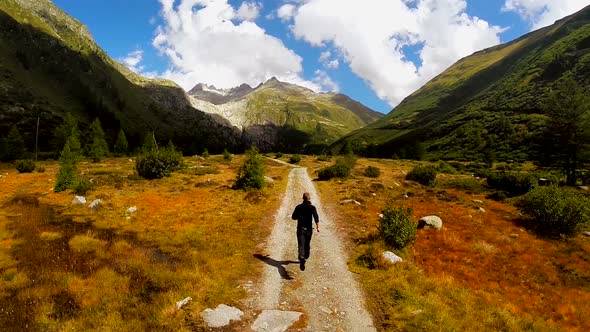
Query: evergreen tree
66	177
251	172
15	143
64	131
98	147
205	153
566	139
226	155
149	143
121	145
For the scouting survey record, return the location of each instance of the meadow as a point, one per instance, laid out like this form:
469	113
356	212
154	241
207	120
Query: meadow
485	270
67	267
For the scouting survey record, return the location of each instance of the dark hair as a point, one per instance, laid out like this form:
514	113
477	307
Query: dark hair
306	196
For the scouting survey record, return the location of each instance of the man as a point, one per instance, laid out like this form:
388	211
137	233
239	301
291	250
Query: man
304	213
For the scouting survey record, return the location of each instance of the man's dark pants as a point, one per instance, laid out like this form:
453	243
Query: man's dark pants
303	240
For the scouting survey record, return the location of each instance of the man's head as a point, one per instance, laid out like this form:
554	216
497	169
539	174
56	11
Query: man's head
306	197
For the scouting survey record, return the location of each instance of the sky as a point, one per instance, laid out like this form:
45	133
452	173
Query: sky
375	51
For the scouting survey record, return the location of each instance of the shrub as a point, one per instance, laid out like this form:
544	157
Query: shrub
324	158
226	155
396	227
372	172
251	172
468	185
555	210
370	258
121	147
25	166
279	155
82	186
340	169
425	175
295	159
514	183
444	167
205	153
40	169
158	163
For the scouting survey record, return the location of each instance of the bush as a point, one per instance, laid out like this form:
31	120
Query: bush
396	227
425	175
205	154
340	169
82	186
468	185
324	158
226	155
40	169
514	183
25	166
370	258
158	163
555	210
295	159
251	172
66	177
279	155
444	167
372	172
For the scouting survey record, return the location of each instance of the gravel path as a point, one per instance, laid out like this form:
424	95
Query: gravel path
326	291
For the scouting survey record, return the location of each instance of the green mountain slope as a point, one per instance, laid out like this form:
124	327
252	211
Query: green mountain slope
282	116
489	102
50	65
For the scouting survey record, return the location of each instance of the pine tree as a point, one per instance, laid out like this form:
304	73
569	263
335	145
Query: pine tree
15	143
226	155
98	147
251	172
149	142
205	153
66	177
64	131
566	138
121	146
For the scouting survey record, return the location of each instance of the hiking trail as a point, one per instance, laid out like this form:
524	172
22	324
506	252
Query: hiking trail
326	292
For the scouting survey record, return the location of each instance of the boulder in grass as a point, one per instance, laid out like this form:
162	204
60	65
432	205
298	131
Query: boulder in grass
131	209
391	257
221	316
430	222
184	302
587	233
95	204
79	200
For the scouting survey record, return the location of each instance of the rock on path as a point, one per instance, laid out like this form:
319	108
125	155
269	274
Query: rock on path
326	283
275	320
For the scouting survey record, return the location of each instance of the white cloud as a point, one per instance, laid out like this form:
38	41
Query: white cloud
286	12
327	84
248	11
133	59
333	64
370	36
541	13
325	56
206	41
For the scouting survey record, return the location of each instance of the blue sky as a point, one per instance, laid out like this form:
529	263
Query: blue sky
375	51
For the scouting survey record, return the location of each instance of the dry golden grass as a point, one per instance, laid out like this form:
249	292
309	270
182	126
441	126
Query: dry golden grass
472	275
65	267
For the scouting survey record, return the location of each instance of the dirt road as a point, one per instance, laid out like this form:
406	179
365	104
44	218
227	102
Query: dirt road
326	291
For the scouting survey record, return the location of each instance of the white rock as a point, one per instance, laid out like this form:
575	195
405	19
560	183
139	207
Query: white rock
391	257
480	209
430	222
477	201
269	180
221	316
95	204
130	160
587	233
325	310
275	320
131	209
184	302
514	236
79	200
586	188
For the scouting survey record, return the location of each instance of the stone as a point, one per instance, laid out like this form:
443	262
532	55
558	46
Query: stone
586	188
131	209
514	236
391	257
417	312
221	316
79	200
477	201
349	201
275	320
430	222
325	310
269	180
480	209
587	233
95	204
184	302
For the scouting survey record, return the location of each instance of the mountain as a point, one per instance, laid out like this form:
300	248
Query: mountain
283	116
50	66
487	105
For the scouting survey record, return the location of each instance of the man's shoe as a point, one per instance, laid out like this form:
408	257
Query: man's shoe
302	264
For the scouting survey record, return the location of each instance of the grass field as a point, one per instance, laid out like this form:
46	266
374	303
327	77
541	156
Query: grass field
65	267
482	271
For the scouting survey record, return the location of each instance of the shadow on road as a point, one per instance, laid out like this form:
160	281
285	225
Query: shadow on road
278	264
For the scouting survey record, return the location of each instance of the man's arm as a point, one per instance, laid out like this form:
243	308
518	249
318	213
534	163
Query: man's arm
295	214
316	218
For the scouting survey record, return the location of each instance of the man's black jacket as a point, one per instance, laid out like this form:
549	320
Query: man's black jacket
303	214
